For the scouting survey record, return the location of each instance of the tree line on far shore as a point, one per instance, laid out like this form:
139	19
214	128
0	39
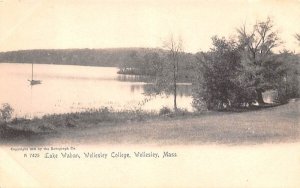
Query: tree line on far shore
113	57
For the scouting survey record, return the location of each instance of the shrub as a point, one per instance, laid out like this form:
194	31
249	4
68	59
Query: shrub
182	112
165	110
5	112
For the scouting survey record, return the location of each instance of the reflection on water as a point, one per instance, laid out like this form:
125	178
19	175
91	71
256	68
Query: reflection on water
133	78
67	88
147	89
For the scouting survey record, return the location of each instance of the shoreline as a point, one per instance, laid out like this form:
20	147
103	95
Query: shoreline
268	125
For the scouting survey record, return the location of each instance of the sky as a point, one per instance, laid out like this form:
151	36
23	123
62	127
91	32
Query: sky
61	24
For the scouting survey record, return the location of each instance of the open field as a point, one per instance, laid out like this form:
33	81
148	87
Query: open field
277	124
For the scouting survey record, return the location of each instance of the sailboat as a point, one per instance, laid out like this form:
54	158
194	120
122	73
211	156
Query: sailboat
32	81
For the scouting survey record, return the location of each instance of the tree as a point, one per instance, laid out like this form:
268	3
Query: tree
166	67
215	84
257	47
288	73
152	64
175	50
6	112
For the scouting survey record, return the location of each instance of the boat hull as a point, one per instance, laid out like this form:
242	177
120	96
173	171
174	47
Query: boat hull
35	82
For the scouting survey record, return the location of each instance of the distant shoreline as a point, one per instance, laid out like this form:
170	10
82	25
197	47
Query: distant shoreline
55	64
112	57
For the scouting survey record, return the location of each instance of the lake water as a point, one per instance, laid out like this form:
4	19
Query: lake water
68	88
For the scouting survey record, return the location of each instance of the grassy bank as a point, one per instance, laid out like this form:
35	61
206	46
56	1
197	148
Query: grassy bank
275	124
55	123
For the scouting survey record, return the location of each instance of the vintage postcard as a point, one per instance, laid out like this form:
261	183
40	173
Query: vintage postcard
149	93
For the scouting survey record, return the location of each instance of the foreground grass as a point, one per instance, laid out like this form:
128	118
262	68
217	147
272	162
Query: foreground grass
276	124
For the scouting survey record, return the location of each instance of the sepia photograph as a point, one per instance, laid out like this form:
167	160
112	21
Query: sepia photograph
141	93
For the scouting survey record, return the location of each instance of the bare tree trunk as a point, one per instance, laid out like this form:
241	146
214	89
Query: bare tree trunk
286	85
175	48
175	96
175	88
260	99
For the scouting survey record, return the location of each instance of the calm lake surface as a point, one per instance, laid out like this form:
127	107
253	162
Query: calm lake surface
68	88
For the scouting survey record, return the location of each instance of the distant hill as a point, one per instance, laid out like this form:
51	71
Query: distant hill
92	57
